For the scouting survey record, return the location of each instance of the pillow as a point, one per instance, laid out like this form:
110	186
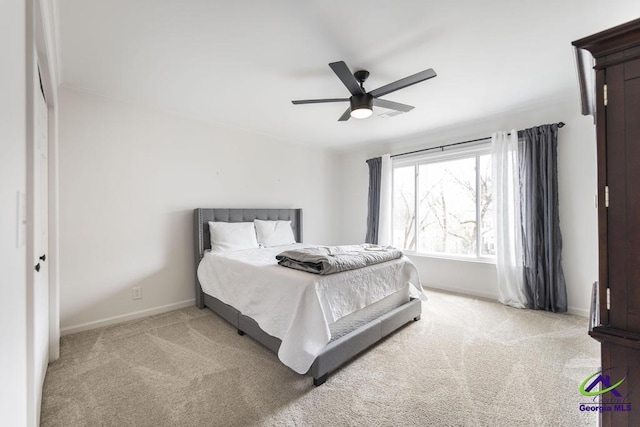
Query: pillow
274	233
232	236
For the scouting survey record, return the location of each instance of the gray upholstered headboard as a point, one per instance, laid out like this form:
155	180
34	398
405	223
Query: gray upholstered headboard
201	227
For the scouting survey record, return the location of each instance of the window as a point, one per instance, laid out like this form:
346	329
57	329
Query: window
442	204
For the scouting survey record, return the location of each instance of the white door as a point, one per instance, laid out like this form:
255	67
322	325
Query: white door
40	291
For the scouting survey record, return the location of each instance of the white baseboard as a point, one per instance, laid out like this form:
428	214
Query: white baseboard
571	310
125	317
462	291
583	312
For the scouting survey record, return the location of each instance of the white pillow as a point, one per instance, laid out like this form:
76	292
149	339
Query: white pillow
232	236
274	233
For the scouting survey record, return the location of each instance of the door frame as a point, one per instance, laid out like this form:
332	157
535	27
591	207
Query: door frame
47	49
42	53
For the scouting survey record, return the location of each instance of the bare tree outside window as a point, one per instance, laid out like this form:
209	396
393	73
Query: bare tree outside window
404	207
453	200
447	192
487	229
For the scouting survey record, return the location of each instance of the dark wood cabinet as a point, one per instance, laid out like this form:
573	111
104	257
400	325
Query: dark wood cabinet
616	322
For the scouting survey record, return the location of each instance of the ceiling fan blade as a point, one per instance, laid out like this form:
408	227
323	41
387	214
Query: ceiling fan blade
345	75
319	101
345	116
402	83
392	105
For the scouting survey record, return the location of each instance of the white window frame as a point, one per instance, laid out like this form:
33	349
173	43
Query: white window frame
476	150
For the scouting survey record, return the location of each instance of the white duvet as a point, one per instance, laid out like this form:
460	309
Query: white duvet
295	306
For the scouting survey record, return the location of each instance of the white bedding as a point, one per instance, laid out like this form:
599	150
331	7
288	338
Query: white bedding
295	306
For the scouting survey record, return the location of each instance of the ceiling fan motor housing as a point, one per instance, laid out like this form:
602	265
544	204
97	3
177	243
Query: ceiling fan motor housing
361	101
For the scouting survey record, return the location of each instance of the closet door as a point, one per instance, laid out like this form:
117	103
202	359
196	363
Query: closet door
38	280
623	182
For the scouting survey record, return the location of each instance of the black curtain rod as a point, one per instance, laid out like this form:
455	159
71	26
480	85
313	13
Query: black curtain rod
442	147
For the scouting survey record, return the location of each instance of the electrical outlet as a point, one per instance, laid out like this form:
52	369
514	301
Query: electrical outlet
136	293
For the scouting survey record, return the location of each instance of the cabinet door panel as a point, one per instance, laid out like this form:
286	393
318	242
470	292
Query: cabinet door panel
632	70
617	182
623	179
632	138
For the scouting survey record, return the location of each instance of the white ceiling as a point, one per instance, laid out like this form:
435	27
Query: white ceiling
239	64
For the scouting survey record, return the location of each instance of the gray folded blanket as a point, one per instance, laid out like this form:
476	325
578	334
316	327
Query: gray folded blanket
335	259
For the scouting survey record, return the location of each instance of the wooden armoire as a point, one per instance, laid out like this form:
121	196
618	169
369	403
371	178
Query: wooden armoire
615	320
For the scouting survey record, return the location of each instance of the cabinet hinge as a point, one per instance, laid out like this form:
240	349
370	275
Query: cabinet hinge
608	298
606	196
606	98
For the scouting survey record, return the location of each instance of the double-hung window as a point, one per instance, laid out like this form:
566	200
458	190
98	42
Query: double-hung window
442	204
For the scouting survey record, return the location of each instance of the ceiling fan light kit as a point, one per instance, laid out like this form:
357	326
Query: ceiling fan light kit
362	102
361	106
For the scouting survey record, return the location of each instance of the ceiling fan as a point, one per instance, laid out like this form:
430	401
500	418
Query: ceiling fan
362	102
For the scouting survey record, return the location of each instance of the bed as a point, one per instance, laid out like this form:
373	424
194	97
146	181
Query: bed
343	338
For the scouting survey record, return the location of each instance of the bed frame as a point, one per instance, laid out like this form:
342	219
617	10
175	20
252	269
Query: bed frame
336	352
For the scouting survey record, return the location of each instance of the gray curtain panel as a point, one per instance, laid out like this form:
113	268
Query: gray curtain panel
373	212
541	237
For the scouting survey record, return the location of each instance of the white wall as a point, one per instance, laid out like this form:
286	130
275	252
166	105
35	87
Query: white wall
130	177
13	279
129	180
577	187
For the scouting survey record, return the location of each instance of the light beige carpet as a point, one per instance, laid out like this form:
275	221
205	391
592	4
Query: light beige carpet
468	362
